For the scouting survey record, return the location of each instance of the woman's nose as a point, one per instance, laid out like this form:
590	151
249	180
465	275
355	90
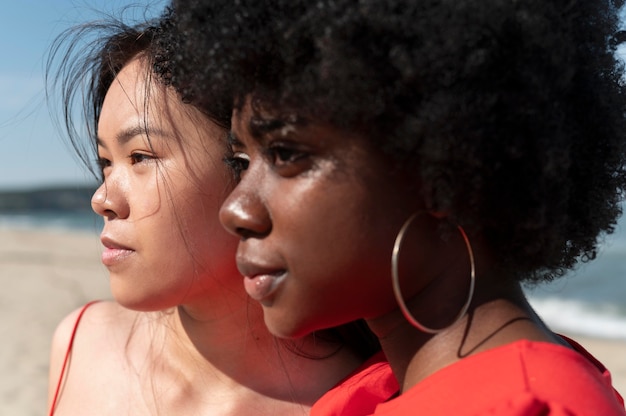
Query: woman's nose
109	202
244	213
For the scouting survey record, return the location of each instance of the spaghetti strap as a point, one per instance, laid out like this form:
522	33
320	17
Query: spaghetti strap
67	355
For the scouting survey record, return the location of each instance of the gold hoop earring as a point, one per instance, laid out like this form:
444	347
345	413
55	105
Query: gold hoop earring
395	279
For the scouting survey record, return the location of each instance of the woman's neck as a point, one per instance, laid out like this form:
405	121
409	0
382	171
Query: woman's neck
234	355
495	318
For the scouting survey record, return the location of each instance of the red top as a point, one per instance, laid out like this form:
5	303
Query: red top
68	352
359	393
522	378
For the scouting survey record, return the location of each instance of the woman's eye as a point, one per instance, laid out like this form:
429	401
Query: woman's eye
282	155
238	162
140	157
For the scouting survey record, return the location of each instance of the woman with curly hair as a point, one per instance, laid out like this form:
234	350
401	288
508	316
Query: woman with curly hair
181	336
413	163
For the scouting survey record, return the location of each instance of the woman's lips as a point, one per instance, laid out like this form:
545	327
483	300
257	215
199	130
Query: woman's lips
113	252
112	256
260	286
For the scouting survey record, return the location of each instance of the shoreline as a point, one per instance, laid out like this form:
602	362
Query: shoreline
48	273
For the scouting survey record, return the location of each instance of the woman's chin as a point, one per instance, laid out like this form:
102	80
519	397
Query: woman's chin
286	326
140	303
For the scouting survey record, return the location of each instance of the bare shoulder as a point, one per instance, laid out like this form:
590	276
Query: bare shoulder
100	333
98	319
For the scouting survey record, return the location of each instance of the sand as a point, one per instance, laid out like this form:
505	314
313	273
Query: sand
47	274
44	276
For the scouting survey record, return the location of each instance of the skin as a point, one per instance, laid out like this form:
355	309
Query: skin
182	337
321	208
163	185
321	175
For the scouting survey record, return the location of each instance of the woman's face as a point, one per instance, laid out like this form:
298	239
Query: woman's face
164	181
317	211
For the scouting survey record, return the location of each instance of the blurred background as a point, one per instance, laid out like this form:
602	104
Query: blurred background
39	173
32	155
49	250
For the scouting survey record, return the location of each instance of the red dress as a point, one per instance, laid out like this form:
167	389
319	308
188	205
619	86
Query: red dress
359	393
522	378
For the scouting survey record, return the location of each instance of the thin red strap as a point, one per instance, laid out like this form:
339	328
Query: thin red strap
67	355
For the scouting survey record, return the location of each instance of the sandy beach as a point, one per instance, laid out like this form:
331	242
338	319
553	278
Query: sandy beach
47	274
44	275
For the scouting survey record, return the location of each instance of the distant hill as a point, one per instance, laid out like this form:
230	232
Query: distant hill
61	198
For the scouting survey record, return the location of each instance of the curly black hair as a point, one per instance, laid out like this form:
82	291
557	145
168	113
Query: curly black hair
510	112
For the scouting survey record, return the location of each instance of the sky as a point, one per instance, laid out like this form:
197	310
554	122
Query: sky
33	152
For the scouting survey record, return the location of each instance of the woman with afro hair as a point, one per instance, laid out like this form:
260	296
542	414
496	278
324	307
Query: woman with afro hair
413	163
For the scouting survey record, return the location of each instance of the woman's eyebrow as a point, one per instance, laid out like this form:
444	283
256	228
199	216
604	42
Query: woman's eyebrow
261	126
128	134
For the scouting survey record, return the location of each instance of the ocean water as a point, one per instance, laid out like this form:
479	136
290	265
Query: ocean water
81	221
589	301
